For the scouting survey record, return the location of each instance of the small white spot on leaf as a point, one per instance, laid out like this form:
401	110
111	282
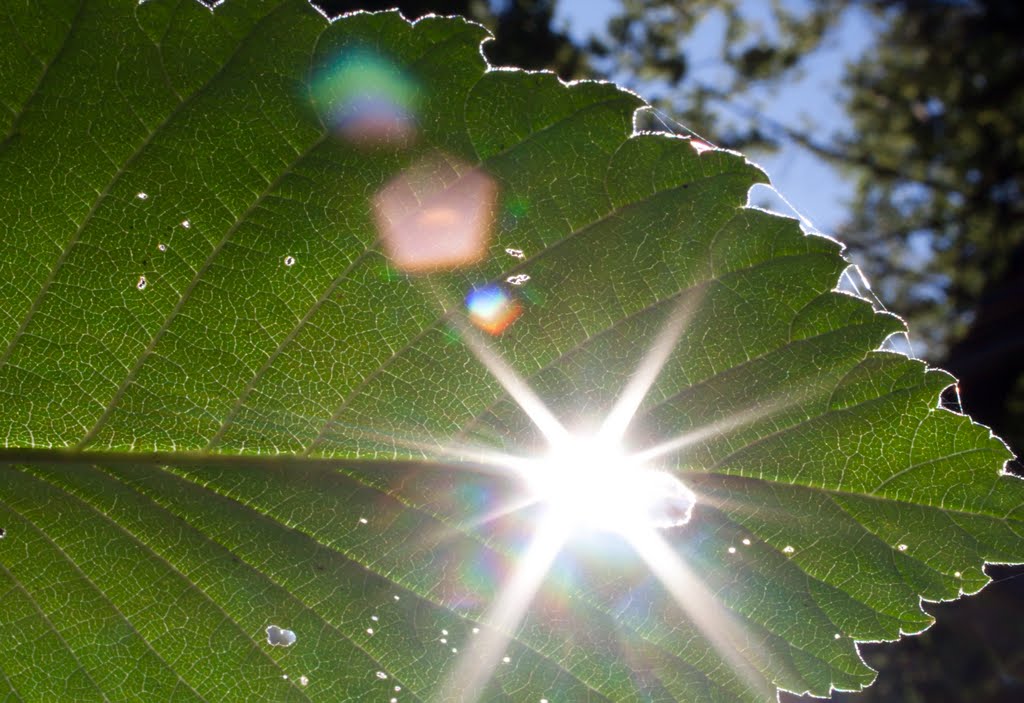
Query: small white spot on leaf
289	261
518	279
141	285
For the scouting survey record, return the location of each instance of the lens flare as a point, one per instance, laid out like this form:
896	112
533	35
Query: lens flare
492	309
436	215
475	576
367	99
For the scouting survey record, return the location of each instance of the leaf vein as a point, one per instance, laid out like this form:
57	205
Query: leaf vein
103	516
74	565
183	299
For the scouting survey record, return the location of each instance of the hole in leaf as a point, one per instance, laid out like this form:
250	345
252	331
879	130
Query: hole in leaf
278	637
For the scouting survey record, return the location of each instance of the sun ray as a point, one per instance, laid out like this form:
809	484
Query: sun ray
727	424
503	511
474	669
514	384
466	457
701	607
617	421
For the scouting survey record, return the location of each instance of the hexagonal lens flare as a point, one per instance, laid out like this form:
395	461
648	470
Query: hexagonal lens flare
436	215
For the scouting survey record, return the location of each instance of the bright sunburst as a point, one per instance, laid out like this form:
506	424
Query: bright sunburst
591	484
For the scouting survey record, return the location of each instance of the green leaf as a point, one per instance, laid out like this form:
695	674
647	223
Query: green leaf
223	408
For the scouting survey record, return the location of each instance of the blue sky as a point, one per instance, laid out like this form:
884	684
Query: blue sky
812	102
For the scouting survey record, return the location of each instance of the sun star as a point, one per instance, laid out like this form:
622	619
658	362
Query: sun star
591	483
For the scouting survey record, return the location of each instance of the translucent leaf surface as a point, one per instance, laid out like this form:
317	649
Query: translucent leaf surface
227	416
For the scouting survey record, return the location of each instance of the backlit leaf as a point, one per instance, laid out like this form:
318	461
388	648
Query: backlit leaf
226	395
